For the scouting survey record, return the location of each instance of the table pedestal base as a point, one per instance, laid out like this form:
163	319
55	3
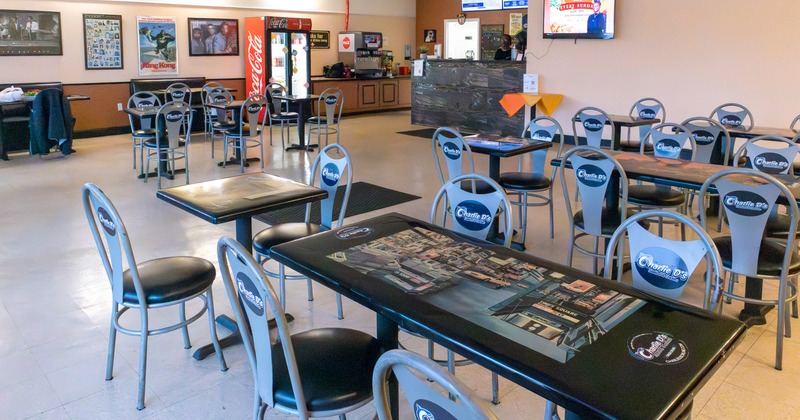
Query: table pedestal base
306	147
235	337
753	314
169	175
237	162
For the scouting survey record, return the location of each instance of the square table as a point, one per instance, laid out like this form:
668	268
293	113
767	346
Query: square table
585	343
623	121
302	105
237	199
236	107
498	146
150	112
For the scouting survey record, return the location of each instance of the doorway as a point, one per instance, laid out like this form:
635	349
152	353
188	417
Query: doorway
458	39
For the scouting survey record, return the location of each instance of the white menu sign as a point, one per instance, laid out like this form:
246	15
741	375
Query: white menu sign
477	6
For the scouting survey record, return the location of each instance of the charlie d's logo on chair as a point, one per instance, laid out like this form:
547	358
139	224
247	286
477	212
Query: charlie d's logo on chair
330	174
451	150
249	294
771	163
593	124
746	203
591	176
427	410
662	268
105	219
473	215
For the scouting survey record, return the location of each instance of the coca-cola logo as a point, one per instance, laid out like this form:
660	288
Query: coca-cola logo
593	124
105	220
746	203
330	174
542	135
591	176
278	23
668	147
647	113
451	151
346	42
662	268
174	116
771	163
255	45
473	215
703	137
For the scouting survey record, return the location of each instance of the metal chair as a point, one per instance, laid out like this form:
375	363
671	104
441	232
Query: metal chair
643	108
527	185
209	113
748	203
416	376
733	115
667	141
593	120
330	173
180	92
329	110
794	123
248	132
152	284
217	121
472	214
277	114
146	128
168	143
317	373
594	171
453	148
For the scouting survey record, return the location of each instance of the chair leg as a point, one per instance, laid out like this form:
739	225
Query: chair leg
243	152
143	358
147	168
550	411
261	149
310	290
495	389
339	312
224	150
282	285
112	341
552	234
212	328
182	313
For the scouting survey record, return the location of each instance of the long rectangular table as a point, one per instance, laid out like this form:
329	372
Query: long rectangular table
599	348
238	198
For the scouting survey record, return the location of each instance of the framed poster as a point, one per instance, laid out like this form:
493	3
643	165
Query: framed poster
320	40
491	38
158	47
213	36
430	35
30	32
102	42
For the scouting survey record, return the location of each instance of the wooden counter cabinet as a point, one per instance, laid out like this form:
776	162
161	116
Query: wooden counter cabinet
369	94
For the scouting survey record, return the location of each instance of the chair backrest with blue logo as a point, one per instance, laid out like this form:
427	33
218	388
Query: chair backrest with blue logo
416	376
593	121
733	115
178	92
663	266
748	203
271	91
246	282
668	140
706	133
763	155
542	129
218	96
111	239
170	118
594	170
453	148
331	170
473	213
647	108
331	100
142	100
248	116
209	88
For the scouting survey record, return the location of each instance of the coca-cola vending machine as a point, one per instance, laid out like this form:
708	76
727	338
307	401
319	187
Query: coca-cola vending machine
277	52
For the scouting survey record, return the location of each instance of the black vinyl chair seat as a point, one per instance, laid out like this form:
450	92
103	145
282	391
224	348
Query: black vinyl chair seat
524	181
480	187
147	132
777	226
335	366
222	126
285	116
233	131
282	233
163	144
169	279
635	146
655	196
315	120
770	257
611	221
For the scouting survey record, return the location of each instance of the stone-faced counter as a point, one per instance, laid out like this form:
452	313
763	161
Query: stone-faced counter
465	95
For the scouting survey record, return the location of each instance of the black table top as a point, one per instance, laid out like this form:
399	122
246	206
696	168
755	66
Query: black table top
69	98
469	312
144	111
297	98
227	199
228	105
629	121
503	146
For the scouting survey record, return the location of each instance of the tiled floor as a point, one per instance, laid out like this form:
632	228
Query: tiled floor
54	297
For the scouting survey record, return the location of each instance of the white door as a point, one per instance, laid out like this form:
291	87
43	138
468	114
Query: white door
458	39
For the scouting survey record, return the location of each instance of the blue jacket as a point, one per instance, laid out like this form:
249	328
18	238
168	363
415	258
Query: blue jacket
596	24
51	122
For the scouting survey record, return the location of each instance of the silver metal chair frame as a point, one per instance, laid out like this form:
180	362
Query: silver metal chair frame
590	111
172	134
249	115
327	122
635	112
140	100
717	112
217	116
280	116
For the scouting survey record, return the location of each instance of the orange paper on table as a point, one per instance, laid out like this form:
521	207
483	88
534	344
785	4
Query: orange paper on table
547	102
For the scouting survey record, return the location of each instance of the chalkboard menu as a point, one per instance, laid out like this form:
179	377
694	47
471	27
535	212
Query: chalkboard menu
491	38
320	40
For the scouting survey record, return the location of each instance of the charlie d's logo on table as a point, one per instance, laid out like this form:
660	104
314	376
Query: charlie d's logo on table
745	203
473	215
591	175
661	267
658	347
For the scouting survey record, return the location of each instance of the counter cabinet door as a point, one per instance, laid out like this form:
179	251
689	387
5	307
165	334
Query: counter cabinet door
389	95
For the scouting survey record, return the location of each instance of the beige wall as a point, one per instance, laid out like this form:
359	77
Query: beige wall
69	68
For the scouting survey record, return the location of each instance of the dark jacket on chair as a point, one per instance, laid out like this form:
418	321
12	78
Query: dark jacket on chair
51	122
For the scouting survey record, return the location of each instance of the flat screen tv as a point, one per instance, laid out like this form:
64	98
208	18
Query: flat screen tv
593	19
478	6
515	4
